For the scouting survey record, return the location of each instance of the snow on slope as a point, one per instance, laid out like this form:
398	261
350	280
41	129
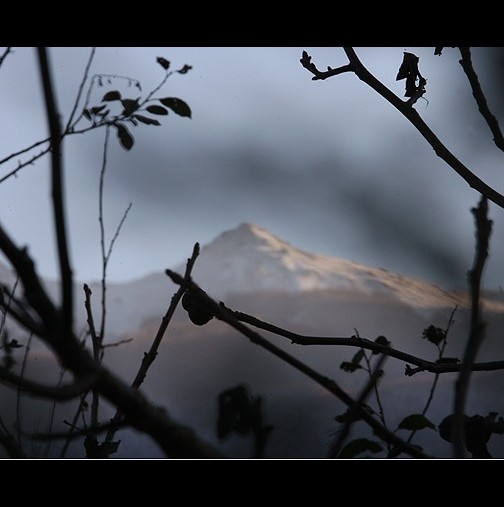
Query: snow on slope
250	258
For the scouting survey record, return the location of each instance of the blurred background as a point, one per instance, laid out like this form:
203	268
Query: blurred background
330	166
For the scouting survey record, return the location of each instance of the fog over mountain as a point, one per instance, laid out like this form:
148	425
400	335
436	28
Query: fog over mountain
252	270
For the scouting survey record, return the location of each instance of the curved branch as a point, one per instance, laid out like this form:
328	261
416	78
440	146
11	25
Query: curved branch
65	392
364	343
412	115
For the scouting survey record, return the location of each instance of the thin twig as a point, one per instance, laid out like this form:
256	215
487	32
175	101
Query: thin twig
436	376
96	346
75	432
53	413
381	412
102	236
354	341
483	232
330	385
81	89
150	356
3	56
24	364
374	376
479	96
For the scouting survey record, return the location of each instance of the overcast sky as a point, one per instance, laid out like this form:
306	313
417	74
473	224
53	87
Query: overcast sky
329	166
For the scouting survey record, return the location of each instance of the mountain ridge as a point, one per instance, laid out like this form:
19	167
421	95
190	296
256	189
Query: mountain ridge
250	259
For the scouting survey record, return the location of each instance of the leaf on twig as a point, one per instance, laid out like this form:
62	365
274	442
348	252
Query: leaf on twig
185	69
111	96
409	71
157	110
235	407
125	137
163	62
415	422
146	120
358	446
98	109
130	106
478	430
354	364
435	335
178	106
96	450
438	50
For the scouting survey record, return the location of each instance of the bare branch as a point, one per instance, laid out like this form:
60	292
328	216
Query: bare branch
492	122
483	232
63	392
81	89
321	75
357	341
57	190
150	356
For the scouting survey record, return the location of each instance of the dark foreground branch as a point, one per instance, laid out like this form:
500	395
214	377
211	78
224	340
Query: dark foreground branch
330	385
364	343
476	333
175	439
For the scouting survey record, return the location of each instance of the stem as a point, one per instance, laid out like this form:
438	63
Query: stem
57	192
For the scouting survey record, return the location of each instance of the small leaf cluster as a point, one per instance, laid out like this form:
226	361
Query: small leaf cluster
135	111
242	413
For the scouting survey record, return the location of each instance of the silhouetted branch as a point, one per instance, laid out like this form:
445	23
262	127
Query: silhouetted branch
330	385
321	75
405	107
64	392
17	424
150	356
81	89
176	440
356	341
96	347
492	122
3	56
57	191
483	232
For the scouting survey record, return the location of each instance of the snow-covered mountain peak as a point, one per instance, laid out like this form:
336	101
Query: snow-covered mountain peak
250	258
250	237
